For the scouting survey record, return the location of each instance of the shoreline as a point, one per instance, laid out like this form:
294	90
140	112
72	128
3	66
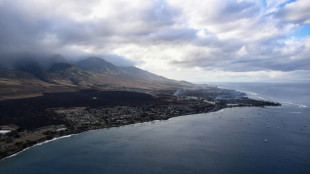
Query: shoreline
76	120
219	110
113	126
38	144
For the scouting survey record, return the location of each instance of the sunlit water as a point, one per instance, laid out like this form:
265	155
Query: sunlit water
237	140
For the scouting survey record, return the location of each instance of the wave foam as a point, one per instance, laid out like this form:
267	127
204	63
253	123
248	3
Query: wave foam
39	144
295	104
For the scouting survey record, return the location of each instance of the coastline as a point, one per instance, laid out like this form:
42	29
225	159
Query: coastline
77	133
39	144
75	120
217	110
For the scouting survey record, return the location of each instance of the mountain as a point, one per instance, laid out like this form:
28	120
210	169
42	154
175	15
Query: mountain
51	60
129	76
60	67
99	66
64	73
31	66
142	74
30	78
15	83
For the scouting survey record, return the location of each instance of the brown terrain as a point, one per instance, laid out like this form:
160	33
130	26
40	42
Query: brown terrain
38	104
29	79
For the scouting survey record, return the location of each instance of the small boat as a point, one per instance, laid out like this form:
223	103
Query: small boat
265	140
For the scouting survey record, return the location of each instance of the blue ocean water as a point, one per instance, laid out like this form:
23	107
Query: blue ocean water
227	141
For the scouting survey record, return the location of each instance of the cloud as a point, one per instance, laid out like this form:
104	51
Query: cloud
297	12
164	36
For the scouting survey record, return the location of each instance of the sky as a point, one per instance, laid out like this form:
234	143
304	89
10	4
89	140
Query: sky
193	40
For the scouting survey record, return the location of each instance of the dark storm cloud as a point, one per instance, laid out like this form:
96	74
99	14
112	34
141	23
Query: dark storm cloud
20	32
17	32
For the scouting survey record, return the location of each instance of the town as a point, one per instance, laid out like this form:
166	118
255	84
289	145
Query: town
77	119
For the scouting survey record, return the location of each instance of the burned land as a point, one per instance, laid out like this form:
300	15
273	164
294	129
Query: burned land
29	121
31	113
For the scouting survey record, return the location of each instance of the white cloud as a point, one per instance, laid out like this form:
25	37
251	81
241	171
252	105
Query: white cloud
243	39
298	12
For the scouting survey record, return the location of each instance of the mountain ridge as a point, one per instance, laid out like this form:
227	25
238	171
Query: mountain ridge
29	78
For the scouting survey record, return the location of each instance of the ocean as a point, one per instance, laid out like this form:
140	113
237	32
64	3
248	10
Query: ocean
234	140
